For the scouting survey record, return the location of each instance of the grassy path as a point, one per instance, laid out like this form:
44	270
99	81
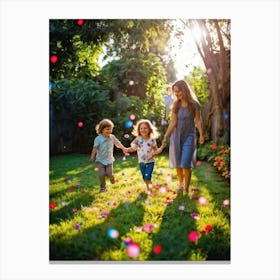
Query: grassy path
126	224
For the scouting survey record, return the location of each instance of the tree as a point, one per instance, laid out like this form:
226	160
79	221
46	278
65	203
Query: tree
214	48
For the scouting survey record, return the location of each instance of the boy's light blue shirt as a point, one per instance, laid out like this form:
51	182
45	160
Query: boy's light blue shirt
105	148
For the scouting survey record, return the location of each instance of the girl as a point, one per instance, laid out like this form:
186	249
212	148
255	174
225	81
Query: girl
146	146
102	151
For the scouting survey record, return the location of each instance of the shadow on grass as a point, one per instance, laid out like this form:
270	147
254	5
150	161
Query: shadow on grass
93	243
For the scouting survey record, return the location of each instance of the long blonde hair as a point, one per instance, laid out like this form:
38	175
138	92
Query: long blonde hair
188	94
152	129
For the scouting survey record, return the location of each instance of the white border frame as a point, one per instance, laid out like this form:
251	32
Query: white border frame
254	134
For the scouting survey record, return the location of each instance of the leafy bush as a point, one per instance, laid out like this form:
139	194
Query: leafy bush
219	156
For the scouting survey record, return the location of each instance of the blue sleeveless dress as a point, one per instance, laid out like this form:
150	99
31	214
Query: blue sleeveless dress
182	148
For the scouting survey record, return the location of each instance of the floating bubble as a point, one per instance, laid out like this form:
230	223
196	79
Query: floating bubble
63	203
50	85
162	190
52	205
126	136
80	124
163	122
225	116
133	250
132	117
138	229
128	124
131	83
169	178
209	70
80	22
157	249
193	236
195	216
148	228
202	200
226	202
105	213
181	207
208	227
54	59
153	122
113	233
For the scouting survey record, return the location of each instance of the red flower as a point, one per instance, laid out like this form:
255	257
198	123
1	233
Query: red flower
202	231
213	147
208	227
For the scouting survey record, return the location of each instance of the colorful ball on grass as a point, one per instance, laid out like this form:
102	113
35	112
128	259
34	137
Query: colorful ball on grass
133	250
193	236
113	233
96	169
157	249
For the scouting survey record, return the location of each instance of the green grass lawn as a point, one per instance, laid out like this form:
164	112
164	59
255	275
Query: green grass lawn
125	224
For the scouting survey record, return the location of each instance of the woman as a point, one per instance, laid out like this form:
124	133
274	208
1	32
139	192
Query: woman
185	116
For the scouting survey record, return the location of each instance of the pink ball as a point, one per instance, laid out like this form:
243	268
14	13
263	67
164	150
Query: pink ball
133	250
193	236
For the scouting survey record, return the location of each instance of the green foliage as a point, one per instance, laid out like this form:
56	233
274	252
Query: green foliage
199	83
75	200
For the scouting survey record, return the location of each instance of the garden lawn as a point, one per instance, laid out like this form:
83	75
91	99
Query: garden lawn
124	224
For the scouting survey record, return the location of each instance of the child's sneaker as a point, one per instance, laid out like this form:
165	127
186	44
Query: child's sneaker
103	189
